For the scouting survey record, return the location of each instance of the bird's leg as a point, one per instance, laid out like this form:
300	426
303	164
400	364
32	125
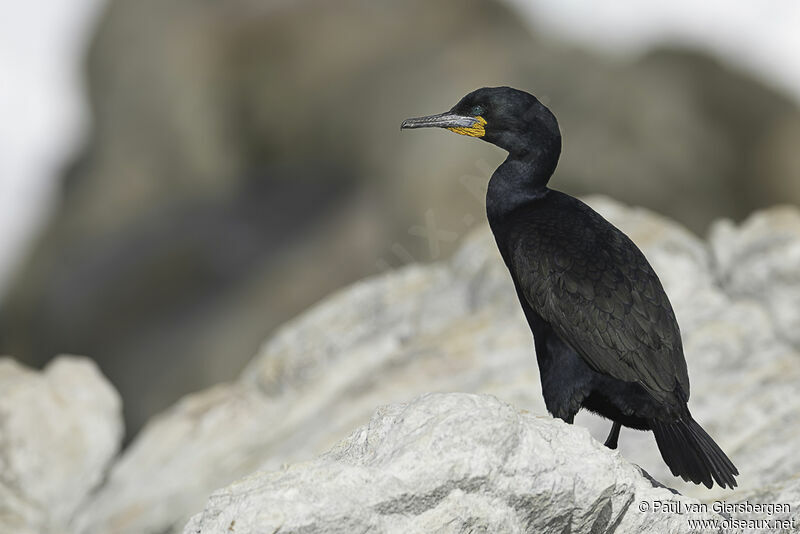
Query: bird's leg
613	436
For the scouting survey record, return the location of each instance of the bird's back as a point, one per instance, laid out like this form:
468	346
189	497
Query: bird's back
597	291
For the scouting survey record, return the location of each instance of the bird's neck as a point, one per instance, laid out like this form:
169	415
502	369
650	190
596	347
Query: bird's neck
517	182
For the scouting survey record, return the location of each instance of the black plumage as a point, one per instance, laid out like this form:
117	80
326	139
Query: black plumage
605	333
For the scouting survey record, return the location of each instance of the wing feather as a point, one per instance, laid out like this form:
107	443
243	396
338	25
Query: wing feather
602	297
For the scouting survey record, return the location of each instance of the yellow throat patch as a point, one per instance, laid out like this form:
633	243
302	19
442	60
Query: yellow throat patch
476	130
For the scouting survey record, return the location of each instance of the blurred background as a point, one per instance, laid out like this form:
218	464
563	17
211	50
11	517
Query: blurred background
179	178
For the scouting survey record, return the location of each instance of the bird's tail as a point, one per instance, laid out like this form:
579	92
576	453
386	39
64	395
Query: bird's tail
691	454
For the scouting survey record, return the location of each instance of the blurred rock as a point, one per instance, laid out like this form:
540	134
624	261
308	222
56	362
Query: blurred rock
246	160
450	463
787	491
759	261
233	155
59	430
456	326
751	124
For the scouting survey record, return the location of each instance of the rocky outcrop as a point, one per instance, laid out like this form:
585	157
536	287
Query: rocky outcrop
455	326
59	430
452	463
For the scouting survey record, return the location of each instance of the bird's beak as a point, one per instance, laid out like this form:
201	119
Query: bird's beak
460	124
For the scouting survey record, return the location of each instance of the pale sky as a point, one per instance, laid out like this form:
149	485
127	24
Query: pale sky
43	113
42	110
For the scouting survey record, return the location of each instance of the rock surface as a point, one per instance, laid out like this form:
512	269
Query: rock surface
456	326
450	463
59	430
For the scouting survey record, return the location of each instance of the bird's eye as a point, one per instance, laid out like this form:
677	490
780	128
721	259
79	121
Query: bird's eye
476	110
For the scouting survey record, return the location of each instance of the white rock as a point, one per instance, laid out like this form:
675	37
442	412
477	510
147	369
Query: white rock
456	326
761	260
778	495
450	463
59	429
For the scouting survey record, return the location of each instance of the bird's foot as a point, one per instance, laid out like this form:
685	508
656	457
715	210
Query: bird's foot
613	436
611	443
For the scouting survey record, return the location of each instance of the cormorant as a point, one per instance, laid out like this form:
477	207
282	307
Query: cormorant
605	335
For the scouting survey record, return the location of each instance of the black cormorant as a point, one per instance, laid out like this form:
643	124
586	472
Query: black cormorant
605	334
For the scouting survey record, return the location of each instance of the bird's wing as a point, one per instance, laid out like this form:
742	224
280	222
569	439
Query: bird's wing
602	297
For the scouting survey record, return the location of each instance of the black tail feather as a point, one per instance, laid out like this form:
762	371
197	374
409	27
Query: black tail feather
692	455
689	452
670	442
719	462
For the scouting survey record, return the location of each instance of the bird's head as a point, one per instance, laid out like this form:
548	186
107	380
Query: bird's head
509	118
